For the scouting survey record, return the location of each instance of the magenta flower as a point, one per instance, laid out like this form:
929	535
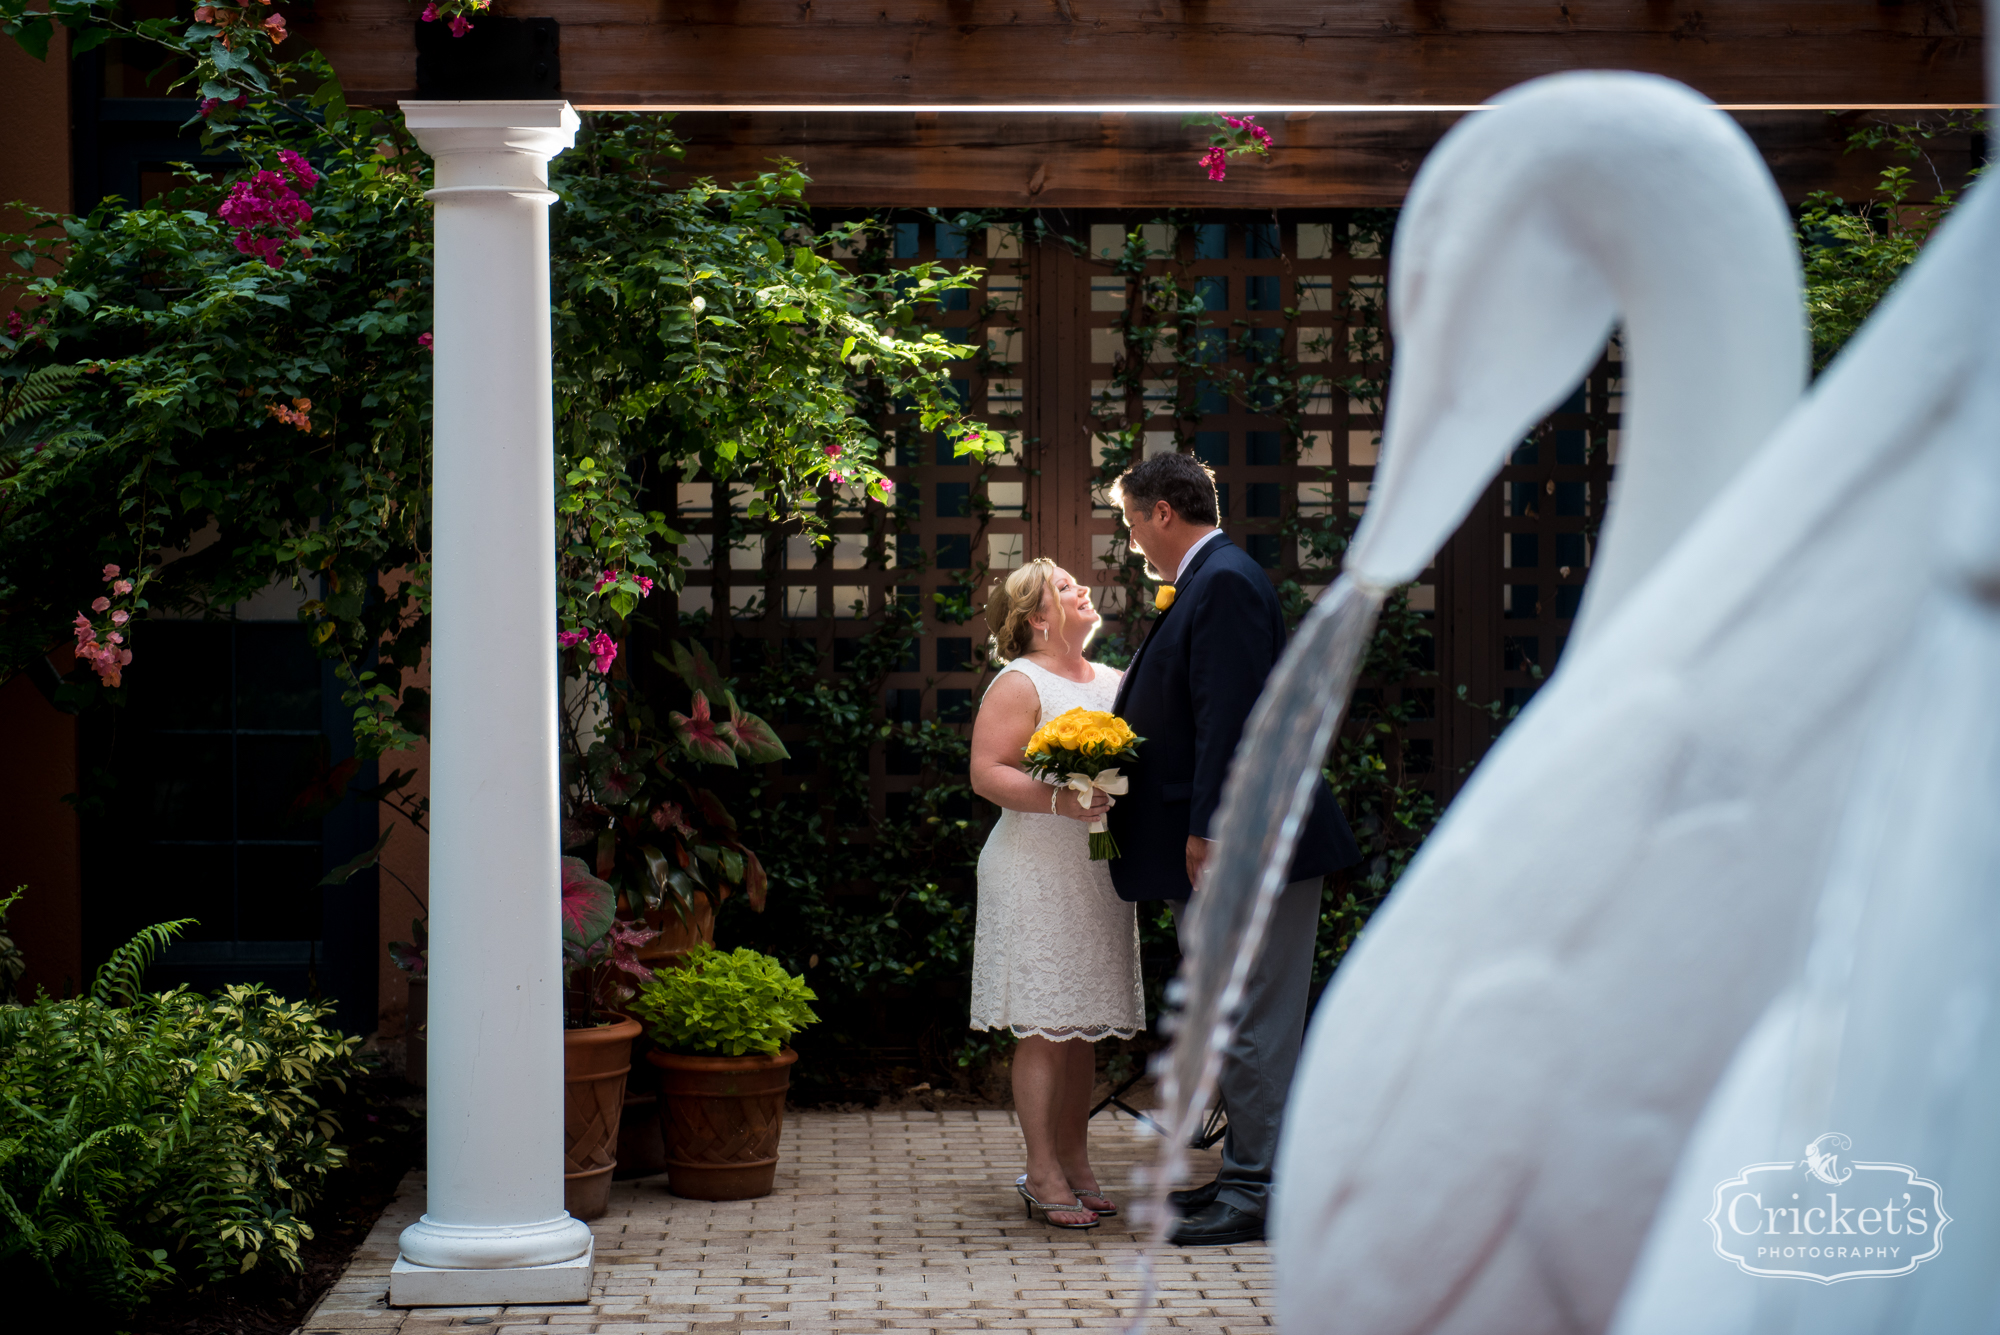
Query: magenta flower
430	14
14	326
424	342
111	572
460	26
833	451
1217	163
298	168
267	200
570	638
645	585
603	649
608	577
837	478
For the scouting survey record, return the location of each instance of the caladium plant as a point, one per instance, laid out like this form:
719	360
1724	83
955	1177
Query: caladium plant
704	737
642	816
600	943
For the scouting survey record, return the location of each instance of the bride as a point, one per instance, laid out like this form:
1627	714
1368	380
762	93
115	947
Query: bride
1055	957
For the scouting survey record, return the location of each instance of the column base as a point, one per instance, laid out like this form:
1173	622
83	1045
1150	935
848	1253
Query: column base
430	1286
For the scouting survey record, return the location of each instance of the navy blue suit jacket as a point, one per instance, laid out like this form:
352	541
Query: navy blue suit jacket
1189	693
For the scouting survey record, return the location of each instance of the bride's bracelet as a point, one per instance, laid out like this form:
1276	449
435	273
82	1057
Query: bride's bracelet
1054	793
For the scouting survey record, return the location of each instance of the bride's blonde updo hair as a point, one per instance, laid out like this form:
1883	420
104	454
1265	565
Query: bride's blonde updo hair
1012	601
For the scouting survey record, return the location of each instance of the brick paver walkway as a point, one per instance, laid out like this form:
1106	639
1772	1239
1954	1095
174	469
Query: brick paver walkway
902	1221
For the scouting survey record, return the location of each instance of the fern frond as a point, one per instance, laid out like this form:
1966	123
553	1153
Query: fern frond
35	393
122	977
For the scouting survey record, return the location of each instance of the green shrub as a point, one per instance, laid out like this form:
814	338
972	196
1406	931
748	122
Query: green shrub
724	1005
149	1135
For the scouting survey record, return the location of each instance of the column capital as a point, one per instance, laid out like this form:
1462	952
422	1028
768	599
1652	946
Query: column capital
492	143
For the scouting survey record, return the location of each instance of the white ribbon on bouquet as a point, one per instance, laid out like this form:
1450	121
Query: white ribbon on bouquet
1107	781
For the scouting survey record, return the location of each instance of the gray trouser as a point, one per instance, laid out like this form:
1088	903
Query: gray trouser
1257	1068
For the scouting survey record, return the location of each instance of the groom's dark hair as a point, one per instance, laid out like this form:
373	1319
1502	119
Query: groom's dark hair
1181	480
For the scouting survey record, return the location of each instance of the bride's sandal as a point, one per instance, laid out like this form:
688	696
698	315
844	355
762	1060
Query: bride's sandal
1084	1198
1051	1208
1103	1211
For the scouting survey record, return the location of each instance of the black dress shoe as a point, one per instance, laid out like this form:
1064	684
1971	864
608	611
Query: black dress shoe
1194	1198
1218	1224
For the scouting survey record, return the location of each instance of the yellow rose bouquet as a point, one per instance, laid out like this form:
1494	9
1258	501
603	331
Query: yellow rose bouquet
1076	750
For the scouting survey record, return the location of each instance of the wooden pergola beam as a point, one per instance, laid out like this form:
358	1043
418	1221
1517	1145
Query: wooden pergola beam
1382	54
1141	161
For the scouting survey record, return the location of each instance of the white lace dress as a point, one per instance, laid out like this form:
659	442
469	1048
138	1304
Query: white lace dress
1055	951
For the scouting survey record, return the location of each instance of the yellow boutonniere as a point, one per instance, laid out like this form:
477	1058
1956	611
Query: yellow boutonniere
1163	597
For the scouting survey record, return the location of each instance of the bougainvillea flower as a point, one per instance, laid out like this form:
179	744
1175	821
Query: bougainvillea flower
570	638
100	605
122	587
275	25
460	25
120	617
430	14
111	572
608	577
1217	163
833	451
645	584
603	650
424	342
296	166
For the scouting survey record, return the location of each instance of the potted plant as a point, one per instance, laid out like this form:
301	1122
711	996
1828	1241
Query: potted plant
719	1022
600	966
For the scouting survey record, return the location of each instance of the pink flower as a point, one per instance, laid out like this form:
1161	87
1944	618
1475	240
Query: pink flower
120	617
297	167
603	649
836	477
886	485
645	585
114	638
14	326
570	638
608	577
833	451
204	14
100	605
275	25
111	572
424	342
122	587
460	26
1217	163
430	14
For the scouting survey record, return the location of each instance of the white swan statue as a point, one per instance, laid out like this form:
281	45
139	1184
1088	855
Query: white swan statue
1505	1071
1888	1043
1577	202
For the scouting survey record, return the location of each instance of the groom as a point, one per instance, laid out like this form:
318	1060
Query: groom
1189	692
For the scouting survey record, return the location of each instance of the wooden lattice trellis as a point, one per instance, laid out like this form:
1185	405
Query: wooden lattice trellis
1042	338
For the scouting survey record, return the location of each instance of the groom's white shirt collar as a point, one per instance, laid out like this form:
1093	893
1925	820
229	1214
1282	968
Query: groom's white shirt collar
1188	556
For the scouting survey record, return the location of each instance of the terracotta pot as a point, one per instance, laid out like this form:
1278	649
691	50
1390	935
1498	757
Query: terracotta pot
720	1118
677	935
595	1063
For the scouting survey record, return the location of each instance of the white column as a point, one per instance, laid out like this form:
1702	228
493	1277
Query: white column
494	1230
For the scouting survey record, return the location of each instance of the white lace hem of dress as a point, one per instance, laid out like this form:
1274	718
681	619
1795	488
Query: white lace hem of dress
1088	1033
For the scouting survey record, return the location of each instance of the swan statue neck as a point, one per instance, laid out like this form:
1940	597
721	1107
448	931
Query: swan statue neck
1580	202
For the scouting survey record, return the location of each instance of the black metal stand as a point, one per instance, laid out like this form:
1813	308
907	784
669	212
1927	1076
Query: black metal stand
1116	1099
